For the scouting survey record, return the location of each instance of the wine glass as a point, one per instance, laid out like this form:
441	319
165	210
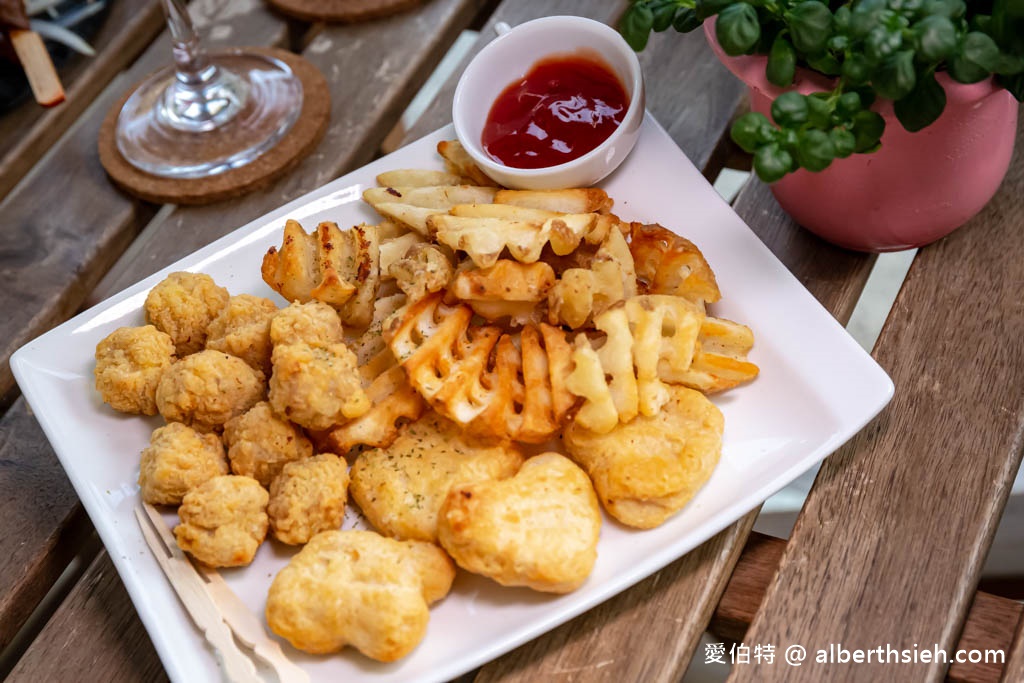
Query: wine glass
208	113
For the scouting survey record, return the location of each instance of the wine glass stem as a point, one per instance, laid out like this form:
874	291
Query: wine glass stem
189	56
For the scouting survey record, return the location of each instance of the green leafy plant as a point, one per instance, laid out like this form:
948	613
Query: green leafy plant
870	49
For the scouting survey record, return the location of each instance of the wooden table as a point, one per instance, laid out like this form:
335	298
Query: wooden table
888	547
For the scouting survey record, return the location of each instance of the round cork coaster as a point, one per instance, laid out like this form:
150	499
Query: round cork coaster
303	137
341	10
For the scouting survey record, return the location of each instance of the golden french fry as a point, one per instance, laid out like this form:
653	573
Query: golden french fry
577	200
418	177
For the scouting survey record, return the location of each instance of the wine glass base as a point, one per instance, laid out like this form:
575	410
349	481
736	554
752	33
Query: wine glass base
175	131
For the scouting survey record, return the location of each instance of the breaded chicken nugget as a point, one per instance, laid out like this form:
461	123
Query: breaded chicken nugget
308	497
129	363
538	529
313	322
223	521
260	443
317	386
361	589
400	488
207	389
177	460
243	329
183	306
646	470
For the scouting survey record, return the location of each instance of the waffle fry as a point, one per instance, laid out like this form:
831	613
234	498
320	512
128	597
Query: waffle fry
582	293
505	290
340	268
520	396
719	358
484	239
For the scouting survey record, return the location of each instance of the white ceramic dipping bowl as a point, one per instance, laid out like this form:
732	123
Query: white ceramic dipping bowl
508	58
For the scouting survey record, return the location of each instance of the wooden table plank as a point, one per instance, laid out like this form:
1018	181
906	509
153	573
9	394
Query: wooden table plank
43	521
28	131
990	622
52	253
373	70
86	640
891	541
1015	657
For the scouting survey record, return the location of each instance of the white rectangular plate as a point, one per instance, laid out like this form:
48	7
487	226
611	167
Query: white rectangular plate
817	389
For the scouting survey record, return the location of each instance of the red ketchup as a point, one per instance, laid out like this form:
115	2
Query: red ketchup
564	107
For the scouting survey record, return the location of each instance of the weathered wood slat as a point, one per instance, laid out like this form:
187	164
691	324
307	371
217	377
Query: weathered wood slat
1015	657
43	522
891	540
373	70
28	131
65	224
990	622
86	640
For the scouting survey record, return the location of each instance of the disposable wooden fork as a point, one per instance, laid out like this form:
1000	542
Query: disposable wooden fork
215	608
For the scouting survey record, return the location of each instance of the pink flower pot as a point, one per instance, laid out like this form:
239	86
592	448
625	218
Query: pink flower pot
918	187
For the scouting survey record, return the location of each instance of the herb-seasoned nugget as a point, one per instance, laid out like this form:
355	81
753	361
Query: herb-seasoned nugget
223	521
400	488
308	497
313	322
177	460
183	305
129	364
317	386
646	470
260	443
207	389
538	529
361	589
243	329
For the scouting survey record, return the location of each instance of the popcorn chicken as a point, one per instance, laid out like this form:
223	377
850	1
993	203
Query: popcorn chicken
129	364
400	488
648	469
358	588
177	460
307	497
537	529
183	305
223	521
424	269
313	322
260	443
243	329
206	389
317	387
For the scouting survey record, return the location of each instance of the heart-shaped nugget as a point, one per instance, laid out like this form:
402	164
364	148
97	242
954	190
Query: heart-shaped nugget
358	588
537	529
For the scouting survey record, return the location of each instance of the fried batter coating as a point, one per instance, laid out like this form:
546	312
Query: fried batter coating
260	443
243	329
183	305
177	460
129	363
537	529
313	322
207	389
223	521
648	469
317	386
308	497
361	589
400	488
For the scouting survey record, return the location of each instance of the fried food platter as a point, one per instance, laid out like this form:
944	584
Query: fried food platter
815	390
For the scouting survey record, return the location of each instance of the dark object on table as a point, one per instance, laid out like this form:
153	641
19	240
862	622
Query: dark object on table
341	10
14	88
